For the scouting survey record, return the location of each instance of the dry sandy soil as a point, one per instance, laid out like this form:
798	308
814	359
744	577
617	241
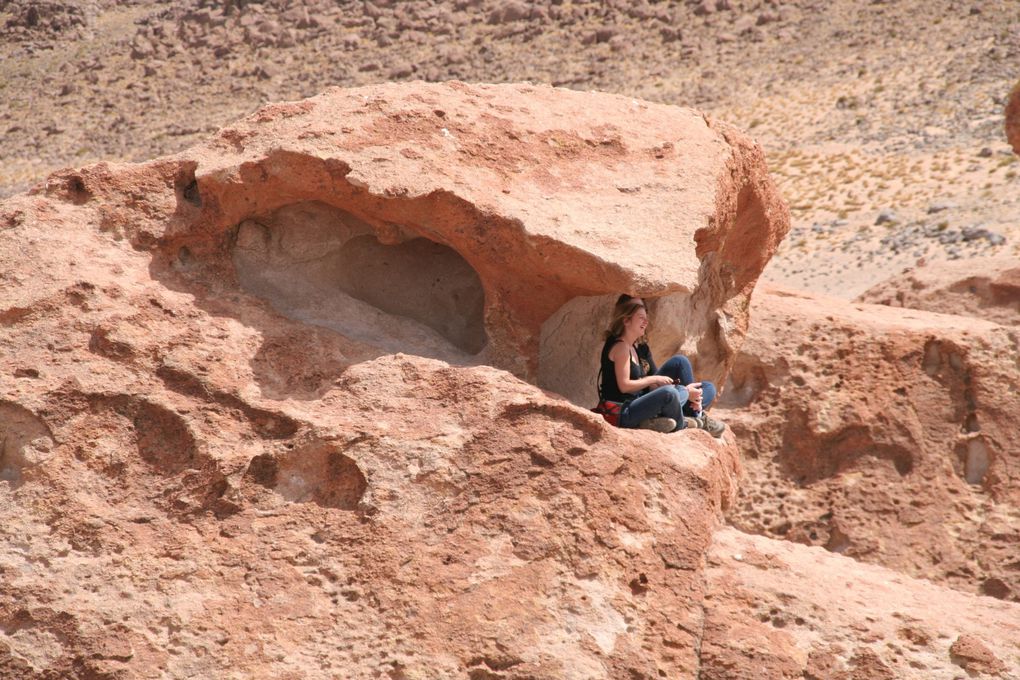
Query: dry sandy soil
884	132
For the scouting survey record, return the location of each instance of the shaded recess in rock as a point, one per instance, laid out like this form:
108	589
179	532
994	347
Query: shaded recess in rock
25	441
104	342
382	287
164	440
317	473
809	456
318	264
267	424
70	185
145	448
974	459
186	186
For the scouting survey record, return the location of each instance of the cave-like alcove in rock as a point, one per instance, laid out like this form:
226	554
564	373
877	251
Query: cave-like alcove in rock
317	264
572	339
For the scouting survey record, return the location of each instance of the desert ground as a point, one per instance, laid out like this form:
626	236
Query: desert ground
885	133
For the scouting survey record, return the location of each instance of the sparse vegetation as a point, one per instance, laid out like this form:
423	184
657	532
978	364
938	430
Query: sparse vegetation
906	129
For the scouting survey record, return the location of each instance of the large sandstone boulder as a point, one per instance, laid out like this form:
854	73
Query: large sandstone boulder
222	455
1013	118
216	461
475	224
987	288
885	434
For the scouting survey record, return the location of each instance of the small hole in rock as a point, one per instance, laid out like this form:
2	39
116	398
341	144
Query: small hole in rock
191	195
317	473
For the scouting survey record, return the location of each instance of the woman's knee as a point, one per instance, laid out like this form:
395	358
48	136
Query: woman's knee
684	362
678	393
678	366
708	392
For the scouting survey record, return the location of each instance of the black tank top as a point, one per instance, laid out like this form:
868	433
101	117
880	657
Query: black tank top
609	390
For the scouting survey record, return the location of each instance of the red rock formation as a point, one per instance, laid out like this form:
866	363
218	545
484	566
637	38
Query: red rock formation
779	610
884	434
215	460
1013	118
417	520
986	288
489	223
203	474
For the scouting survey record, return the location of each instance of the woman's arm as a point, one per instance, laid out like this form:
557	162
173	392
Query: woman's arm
620	356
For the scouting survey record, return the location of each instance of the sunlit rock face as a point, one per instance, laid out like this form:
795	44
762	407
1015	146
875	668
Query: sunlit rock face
475	224
254	412
883	433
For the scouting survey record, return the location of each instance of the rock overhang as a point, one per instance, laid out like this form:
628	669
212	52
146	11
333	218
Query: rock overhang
558	200
568	166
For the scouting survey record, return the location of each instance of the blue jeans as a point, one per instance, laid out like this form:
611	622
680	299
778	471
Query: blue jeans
669	401
666	402
679	368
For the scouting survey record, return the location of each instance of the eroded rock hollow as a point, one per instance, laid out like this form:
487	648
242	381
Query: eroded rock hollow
888	433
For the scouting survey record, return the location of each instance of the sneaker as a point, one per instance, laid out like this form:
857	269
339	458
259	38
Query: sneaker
690	423
711	425
658	424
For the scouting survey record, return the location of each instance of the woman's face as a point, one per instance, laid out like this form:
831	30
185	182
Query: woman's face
636	324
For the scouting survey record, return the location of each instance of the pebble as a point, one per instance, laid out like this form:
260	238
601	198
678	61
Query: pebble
939	206
886	217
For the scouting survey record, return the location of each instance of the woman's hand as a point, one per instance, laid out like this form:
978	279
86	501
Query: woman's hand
695	392
658	381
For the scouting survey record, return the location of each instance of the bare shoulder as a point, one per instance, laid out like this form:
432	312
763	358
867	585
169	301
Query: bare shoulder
618	351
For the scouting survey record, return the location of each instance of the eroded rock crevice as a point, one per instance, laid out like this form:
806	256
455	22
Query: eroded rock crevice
881	434
321	265
318	473
25	441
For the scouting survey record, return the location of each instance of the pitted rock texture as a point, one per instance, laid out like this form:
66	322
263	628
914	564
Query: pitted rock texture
481	223
417	521
885	434
987	288
779	610
421	521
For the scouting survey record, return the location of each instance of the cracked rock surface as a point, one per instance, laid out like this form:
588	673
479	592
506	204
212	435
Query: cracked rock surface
775	609
883	433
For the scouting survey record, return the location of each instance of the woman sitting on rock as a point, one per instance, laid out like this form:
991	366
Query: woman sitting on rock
663	399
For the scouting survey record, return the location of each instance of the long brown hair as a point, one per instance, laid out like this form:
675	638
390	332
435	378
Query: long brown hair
622	312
